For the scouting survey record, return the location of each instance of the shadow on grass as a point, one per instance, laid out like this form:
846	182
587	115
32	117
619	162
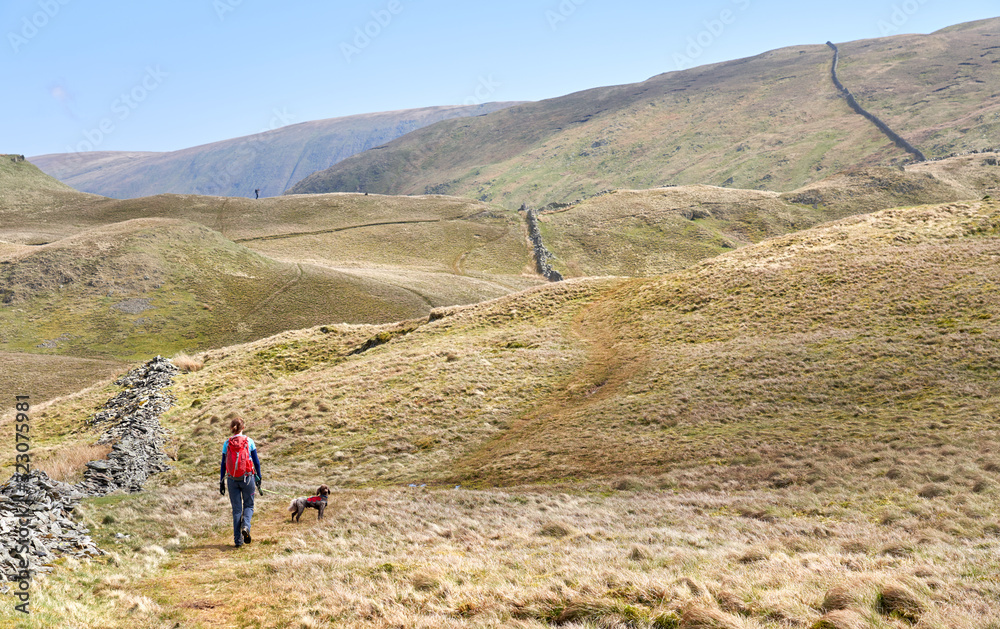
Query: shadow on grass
203	547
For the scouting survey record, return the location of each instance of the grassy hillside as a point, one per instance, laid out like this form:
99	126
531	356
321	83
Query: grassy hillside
650	232
773	121
73	265
868	322
44	377
370	258
27	191
148	286
395	234
271	161
800	429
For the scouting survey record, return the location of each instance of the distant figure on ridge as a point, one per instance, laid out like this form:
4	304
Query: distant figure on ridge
256	193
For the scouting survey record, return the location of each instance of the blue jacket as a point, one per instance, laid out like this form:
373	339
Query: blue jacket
253	455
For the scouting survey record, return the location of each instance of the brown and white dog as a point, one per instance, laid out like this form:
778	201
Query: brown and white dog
318	502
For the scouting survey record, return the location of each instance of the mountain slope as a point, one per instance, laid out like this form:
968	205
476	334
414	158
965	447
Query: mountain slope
26	190
271	161
863	331
773	121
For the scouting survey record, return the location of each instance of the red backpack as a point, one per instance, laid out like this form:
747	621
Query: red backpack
238	461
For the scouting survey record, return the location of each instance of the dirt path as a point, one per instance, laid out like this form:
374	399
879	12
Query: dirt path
456	265
557	427
259	307
213	584
333	230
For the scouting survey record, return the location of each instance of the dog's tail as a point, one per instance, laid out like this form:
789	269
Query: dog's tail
291	506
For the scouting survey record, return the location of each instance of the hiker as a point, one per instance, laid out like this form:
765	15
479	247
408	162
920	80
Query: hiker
241	472
256	193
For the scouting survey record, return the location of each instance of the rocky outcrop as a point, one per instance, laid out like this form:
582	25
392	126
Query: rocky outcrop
541	254
883	127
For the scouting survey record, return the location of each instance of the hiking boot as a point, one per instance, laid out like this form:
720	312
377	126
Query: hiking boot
246	536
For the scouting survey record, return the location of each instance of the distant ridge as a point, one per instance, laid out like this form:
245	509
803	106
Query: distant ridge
774	121
270	161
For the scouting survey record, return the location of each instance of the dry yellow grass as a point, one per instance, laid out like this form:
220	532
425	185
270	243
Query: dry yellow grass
458	558
186	363
652	232
67	463
44	377
743	438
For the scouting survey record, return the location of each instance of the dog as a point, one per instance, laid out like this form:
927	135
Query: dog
318	502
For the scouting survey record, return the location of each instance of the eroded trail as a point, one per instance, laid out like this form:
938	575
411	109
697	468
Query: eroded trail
558	439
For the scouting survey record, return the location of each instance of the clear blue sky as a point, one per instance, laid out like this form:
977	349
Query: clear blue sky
162	75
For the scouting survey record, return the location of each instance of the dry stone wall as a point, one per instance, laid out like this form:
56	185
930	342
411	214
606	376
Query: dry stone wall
541	254
856	106
36	526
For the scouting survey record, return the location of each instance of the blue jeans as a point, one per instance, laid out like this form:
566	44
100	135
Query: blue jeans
241	492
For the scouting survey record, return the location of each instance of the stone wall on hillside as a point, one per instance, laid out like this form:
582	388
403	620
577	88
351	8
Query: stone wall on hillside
36	526
856	106
539	251
133	428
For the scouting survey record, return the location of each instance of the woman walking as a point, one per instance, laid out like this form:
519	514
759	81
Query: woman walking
241	472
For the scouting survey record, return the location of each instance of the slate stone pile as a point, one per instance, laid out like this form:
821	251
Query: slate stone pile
133	418
42	506
35	510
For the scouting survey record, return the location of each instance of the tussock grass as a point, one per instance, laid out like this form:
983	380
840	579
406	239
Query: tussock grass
418	557
186	363
841	619
898	601
67	463
841	597
698	616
